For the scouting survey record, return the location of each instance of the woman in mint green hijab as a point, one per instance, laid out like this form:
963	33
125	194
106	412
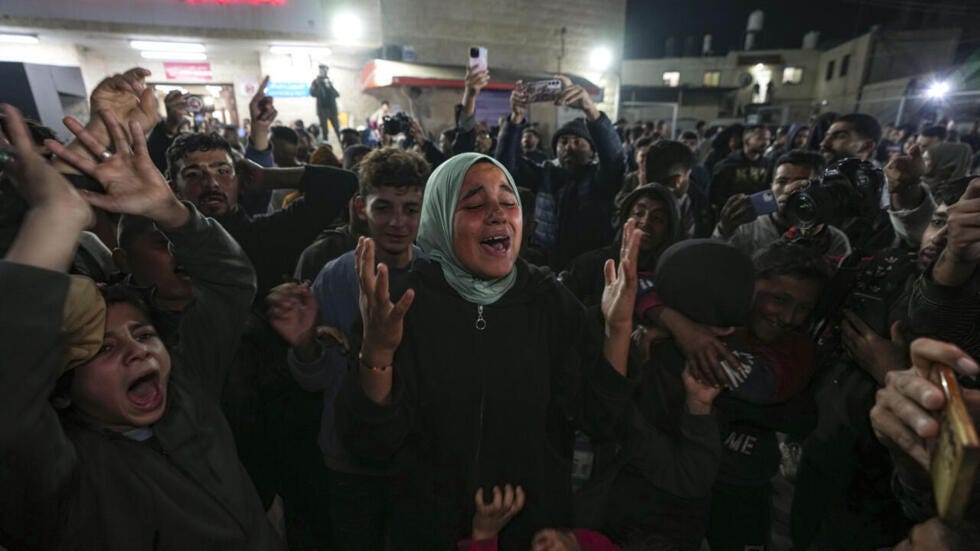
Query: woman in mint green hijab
480	372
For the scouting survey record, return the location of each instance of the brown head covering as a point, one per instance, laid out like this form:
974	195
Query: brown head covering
83	321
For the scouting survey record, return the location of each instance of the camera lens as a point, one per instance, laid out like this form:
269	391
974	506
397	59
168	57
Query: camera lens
801	208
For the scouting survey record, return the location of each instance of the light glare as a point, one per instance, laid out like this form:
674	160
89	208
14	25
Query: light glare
601	58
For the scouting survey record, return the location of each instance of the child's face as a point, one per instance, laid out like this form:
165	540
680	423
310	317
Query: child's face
782	304
125	385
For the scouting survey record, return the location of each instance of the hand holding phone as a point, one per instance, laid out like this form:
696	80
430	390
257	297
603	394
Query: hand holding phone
763	202
953	465
478	59
542	90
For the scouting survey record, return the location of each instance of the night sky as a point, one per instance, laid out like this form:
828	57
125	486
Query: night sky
650	22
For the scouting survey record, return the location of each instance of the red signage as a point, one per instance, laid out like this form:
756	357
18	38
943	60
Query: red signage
187	71
233	2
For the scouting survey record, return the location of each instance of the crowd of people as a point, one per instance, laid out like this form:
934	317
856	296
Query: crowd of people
636	339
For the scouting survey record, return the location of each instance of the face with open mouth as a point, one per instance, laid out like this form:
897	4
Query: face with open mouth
487	223
207	179
125	385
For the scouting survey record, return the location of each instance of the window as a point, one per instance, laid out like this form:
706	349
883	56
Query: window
845	62
792	75
830	71
672	79
712	78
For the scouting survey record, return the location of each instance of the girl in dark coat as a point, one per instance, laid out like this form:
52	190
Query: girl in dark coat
486	377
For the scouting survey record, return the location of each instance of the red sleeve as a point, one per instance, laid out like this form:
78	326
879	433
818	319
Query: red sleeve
478	545
793	363
593	541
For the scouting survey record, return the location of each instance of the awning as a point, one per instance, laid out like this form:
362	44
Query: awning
381	73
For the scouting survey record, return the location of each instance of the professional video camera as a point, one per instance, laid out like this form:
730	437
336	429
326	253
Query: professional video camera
849	189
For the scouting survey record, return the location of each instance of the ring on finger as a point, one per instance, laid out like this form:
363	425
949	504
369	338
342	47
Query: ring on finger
105	155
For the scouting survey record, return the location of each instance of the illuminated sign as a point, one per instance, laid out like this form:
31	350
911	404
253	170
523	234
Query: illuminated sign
187	71
288	89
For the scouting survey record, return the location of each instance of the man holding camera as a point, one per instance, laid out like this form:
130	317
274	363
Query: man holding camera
748	231
910	206
574	194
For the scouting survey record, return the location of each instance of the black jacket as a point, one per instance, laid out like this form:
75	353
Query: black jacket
573	211
69	485
473	408
274	242
735	174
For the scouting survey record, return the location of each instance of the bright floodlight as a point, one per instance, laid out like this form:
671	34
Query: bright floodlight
347	26
601	58
938	90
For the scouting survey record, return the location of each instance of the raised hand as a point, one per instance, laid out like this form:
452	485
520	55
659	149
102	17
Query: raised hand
619	294
518	102
293	313
904	414
490	518
132	183
576	97
49	232
737	211
958	261
905	170
476	80
128	98
383	319
263	114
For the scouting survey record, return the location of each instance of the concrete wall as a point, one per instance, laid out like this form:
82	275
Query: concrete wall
840	92
518	34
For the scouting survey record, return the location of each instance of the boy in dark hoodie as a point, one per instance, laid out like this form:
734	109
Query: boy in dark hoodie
652	488
655	211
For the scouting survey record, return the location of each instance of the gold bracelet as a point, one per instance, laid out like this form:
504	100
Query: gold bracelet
376	368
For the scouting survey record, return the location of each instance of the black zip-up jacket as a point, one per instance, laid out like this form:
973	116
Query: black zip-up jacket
65	484
573	210
274	242
476	408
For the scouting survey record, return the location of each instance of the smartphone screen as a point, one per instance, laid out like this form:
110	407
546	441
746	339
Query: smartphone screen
478	58
763	202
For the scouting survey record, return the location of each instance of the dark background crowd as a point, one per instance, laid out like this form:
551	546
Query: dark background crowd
631	337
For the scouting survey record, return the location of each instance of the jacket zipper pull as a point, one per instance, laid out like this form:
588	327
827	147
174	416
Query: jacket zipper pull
481	323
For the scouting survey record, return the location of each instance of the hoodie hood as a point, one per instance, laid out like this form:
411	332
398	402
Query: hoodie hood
658	193
791	136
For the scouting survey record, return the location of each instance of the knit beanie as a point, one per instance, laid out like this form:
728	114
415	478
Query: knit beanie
709	281
576	127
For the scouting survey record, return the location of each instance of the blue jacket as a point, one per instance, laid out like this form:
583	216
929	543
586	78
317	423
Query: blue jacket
573	211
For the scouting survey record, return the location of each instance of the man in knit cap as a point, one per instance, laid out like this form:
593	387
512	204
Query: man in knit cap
574	193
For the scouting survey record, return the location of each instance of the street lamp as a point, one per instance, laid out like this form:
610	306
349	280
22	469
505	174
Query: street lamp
937	90
601	58
347	26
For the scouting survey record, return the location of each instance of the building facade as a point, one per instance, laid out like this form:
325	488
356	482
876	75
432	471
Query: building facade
869	73
246	39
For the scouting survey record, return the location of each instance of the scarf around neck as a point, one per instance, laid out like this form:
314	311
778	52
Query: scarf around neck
435	235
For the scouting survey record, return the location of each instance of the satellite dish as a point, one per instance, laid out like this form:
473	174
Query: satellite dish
744	80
